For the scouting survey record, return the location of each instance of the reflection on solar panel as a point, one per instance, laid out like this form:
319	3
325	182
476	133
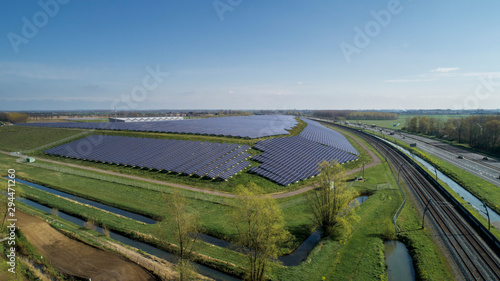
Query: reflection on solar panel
238	126
316	132
204	159
291	159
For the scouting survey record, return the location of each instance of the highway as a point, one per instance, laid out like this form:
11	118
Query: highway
472	162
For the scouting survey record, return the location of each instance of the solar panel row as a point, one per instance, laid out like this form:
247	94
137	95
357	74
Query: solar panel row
177	156
316	132
238	126
291	159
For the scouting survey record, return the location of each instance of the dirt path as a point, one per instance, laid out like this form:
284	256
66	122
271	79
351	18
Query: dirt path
375	161
76	258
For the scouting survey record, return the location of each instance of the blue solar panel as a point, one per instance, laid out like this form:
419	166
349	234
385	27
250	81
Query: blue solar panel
177	156
238	126
316	132
291	159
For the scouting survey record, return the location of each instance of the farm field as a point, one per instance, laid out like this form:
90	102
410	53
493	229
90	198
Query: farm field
89	262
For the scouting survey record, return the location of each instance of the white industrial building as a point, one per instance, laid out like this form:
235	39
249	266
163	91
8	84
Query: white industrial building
146	119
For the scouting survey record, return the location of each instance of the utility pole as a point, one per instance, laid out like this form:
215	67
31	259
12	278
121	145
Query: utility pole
425	210
488	215
363	170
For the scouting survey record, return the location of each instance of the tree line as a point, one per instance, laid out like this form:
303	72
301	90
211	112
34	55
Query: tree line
355	115
478	131
13	117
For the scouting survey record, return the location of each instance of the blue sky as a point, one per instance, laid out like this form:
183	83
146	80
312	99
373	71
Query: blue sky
249	54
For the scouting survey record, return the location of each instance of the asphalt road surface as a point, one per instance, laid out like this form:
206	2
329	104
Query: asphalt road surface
472	162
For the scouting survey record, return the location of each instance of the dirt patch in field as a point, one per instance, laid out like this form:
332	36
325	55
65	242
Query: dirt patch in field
76	258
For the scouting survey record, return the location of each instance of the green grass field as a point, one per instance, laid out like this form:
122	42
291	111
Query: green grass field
17	138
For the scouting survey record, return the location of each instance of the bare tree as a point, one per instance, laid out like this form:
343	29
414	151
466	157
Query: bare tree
54	212
184	226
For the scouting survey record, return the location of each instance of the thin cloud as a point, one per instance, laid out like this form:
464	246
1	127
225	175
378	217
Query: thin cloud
445	69
407	80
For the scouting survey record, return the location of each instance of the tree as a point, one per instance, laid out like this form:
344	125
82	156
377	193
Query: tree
492	131
15	117
423	125
185	228
261	229
450	128
4	116
413	124
329	203
90	225
54	212
461	127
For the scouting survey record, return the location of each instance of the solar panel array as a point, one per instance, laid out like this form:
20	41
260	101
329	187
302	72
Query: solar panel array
291	159
203	159
237	126
316	132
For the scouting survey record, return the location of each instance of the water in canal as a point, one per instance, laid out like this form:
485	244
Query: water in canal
203	270
399	262
293	259
469	197
90	202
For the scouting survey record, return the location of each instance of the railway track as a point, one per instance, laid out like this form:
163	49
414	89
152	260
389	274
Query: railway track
476	257
471	253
